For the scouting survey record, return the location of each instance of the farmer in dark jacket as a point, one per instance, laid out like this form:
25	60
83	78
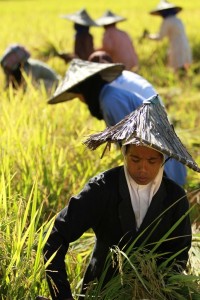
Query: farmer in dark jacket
123	204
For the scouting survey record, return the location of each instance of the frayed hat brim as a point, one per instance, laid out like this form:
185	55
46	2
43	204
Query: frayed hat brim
149	126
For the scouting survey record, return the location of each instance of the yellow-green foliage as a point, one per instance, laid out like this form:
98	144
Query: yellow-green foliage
42	159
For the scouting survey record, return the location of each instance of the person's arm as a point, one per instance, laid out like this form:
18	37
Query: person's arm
163	32
82	213
151	36
55	272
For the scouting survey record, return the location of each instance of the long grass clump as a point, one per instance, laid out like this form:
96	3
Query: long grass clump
140	278
142	274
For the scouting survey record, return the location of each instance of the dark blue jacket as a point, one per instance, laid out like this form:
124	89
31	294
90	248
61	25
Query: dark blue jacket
104	205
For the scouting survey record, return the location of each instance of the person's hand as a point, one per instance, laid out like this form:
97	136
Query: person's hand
143	36
145	33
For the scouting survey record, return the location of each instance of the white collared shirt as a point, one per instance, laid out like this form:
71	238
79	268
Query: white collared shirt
141	195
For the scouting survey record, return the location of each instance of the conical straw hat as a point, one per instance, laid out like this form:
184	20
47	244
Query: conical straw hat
80	17
109	18
163	6
148	126
80	70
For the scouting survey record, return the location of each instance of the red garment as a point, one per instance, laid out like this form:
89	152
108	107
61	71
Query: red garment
119	46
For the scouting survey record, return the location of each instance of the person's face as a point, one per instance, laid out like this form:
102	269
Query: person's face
143	163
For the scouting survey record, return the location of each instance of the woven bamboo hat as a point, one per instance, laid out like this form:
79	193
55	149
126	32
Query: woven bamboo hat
80	70
109	18
148	126
13	56
80	17
164	6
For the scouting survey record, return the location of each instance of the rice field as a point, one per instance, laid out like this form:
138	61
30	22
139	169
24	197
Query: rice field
42	159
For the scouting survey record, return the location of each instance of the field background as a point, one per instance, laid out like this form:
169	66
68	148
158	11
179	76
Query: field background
43	161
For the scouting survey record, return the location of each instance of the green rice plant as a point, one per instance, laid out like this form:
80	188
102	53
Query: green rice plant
139	276
22	239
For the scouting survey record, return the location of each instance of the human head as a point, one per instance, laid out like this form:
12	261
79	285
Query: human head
81	28
80	71
168	12
165	8
148	126
100	56
84	80
12	62
88	92
14	56
143	163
